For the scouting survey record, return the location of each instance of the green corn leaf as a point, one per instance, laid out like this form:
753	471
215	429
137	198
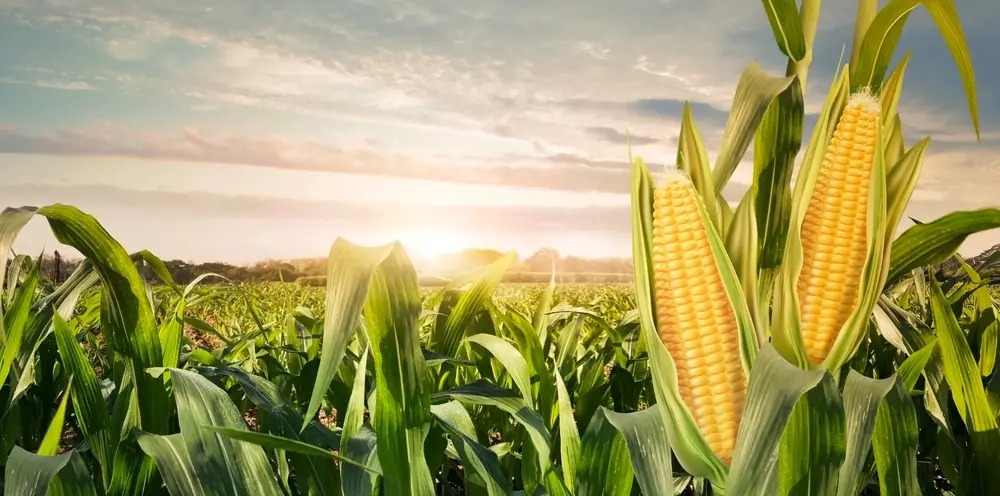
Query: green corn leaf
482	392
541	320
511	359
776	144
900	181
362	449
813	444
349	272
648	447
446	339
483	464
569	436
224	466
984	321
14	276
74	479
936	241
967	390
883	35
862	397
896	145
173	462
569	341
354	417
787	27
28	474
895	442
755	92
160	269
312	475
282	419
50	443
532	351
911	369
171	331
605	469
775	387
127	319
402	391
988	344
14	323
281	443
12	220
741	244
133	472
436	359
889	97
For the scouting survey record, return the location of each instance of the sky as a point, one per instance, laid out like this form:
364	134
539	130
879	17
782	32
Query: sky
241	130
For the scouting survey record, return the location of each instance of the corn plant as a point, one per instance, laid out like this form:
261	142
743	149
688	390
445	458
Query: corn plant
750	316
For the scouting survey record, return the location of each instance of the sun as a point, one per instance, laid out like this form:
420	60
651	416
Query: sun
431	242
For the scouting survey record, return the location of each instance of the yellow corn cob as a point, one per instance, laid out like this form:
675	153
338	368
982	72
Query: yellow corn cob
835	229
697	323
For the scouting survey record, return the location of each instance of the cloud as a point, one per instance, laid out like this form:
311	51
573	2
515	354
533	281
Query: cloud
51	84
612	135
557	171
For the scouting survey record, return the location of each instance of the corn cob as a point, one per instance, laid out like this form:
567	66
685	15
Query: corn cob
696	320
835	228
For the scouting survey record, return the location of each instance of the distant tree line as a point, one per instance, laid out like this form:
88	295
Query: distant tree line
535	268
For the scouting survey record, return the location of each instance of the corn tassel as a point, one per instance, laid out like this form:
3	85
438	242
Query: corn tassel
696	321
835	228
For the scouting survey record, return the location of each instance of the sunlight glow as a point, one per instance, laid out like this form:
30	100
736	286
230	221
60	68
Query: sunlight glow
431	242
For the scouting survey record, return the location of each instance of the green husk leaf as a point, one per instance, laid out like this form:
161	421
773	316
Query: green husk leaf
692	158
813	444
775	387
755	92
648	446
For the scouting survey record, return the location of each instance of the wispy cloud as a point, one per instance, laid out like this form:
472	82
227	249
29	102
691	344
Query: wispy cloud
51	84
557	171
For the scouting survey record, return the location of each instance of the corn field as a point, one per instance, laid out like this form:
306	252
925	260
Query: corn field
793	344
